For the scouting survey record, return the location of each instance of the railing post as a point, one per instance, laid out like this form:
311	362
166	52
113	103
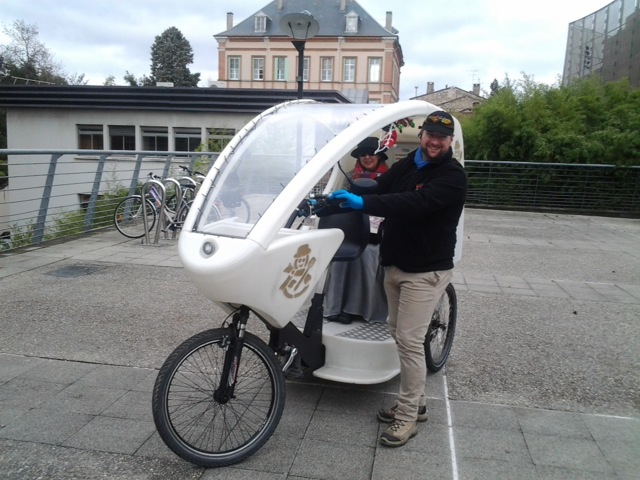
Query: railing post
38	232
91	208
136	174
167	166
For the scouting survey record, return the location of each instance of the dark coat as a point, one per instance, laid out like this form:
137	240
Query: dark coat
422	208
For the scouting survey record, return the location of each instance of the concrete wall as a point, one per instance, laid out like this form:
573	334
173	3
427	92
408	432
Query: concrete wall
47	129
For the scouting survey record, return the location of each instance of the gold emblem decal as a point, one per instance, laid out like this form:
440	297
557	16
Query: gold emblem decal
298	276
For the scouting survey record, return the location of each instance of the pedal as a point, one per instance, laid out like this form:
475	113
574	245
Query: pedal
293	373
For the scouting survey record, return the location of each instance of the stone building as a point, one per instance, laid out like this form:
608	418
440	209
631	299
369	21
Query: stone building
351	52
453	99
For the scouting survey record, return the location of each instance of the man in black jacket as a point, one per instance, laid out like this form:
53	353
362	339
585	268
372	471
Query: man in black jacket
421	198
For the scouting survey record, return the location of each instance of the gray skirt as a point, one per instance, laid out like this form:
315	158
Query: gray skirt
357	287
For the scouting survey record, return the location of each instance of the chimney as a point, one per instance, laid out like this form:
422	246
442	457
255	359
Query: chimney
429	87
343	5
389	23
229	20
476	88
280	2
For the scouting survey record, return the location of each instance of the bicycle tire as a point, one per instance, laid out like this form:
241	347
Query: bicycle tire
127	217
241	211
181	216
439	338
201	430
188	196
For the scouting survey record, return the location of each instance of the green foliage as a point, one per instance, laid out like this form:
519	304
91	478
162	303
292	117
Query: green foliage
73	223
170	54
143	81
69	223
589	121
27	58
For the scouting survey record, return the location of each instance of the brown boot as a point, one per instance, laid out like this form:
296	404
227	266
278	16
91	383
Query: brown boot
398	433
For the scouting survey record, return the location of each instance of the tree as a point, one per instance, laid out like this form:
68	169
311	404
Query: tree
589	121
170	55
494	87
110	81
28	58
143	81
75	79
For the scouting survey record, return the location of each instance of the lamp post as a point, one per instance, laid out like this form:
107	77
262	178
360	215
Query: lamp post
300	27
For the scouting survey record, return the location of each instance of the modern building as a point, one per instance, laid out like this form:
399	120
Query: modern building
605	43
351	53
453	99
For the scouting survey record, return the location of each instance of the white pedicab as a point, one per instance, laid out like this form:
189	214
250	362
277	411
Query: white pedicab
252	244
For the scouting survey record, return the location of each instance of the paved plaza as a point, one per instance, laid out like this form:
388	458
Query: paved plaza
542	381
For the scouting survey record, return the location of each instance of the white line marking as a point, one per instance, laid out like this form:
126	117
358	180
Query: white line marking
452	443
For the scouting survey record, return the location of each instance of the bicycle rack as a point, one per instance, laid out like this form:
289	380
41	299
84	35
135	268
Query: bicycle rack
190	181
163	195
163	215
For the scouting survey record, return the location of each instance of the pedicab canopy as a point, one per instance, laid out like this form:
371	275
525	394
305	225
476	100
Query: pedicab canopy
236	244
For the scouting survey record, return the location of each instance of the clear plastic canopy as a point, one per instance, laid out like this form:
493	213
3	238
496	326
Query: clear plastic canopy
266	156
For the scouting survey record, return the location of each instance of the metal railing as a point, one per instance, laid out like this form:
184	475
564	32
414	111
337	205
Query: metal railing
560	187
58	193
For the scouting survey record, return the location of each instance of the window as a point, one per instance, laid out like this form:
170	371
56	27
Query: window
258	68
305	69
326	73
352	23
349	70
122	137
155	139
261	23
375	70
219	138
90	137
187	139
280	69
234	68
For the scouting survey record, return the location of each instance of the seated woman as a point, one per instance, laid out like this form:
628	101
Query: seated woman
355	289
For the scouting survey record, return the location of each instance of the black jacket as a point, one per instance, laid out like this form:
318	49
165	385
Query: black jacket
421	209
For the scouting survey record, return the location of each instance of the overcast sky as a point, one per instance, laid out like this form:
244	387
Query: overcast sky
451	43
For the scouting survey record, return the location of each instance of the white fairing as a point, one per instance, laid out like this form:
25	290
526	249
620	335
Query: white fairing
251	191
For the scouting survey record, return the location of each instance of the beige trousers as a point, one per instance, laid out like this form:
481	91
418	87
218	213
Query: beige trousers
412	298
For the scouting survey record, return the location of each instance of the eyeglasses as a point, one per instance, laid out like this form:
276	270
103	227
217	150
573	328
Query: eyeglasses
438	119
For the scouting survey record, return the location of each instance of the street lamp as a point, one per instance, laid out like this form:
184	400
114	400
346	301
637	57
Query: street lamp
300	27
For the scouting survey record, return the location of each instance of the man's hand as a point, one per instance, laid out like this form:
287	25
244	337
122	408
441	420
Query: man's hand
347	199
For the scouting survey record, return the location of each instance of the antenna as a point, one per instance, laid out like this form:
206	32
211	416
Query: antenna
473	76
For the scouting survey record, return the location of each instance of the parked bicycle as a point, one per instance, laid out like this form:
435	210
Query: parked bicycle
128	216
189	188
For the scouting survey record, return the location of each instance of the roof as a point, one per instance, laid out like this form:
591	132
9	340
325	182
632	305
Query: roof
326	12
184	99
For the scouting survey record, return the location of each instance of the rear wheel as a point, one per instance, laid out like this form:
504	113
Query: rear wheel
239	209
442	328
199	425
128	217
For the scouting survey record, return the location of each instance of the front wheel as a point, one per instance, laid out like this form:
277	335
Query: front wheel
215	432
442	328
128	217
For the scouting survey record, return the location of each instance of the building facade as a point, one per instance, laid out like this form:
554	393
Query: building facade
351	53
124	122
605	43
